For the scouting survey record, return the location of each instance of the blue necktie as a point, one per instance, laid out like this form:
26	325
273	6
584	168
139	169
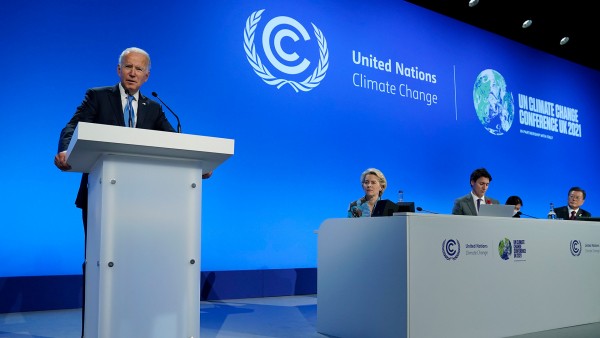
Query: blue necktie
478	204
129	112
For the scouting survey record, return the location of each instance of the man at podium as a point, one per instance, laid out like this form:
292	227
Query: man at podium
120	105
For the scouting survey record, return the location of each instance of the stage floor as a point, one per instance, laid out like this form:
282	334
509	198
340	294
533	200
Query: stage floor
285	317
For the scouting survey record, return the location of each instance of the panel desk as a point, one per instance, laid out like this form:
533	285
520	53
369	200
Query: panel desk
423	275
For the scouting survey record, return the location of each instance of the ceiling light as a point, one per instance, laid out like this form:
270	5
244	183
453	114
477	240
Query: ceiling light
564	41
527	23
473	3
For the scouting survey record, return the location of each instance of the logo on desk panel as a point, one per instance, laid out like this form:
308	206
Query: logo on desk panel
287	46
451	249
512	248
575	247
505	249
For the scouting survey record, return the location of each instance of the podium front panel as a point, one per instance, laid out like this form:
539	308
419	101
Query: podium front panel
143	249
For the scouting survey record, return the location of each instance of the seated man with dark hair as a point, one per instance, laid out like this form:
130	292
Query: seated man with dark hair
572	210
469	204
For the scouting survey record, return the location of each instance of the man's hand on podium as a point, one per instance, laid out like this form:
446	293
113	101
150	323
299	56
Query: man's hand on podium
60	161
207	175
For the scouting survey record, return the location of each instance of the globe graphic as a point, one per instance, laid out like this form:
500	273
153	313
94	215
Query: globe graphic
493	103
505	249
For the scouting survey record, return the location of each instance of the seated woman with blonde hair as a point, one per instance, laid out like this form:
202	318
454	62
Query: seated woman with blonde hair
373	183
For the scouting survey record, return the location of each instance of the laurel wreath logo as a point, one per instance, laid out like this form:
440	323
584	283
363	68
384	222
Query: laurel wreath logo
309	83
446	252
575	247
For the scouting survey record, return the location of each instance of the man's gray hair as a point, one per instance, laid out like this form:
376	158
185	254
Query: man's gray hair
134	50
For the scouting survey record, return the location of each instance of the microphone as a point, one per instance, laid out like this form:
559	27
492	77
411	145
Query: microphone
518	214
172	112
427	211
356	212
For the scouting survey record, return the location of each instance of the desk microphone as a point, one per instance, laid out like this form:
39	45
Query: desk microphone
518	214
172	112
356	212
427	211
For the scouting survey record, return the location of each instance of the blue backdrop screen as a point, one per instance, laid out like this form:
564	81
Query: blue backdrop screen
313	93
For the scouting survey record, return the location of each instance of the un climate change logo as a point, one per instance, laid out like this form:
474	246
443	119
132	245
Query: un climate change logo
575	247
274	31
451	249
494	104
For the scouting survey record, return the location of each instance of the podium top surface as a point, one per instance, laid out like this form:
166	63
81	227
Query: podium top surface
91	140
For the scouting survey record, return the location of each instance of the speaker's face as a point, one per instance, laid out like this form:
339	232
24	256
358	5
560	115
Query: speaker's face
133	72
371	185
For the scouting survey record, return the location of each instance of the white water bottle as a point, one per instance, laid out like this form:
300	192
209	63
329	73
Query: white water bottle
551	213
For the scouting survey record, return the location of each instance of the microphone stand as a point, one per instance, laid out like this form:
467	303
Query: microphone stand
426	211
172	112
522	214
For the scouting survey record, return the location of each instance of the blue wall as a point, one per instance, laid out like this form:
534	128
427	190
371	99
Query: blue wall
298	153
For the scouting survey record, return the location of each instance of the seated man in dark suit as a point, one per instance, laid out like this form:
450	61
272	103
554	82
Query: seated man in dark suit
573	210
469	204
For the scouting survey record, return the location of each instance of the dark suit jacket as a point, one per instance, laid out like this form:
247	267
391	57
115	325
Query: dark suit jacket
103	105
466	206
563	212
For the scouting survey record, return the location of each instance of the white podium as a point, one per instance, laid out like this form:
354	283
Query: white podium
143	236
